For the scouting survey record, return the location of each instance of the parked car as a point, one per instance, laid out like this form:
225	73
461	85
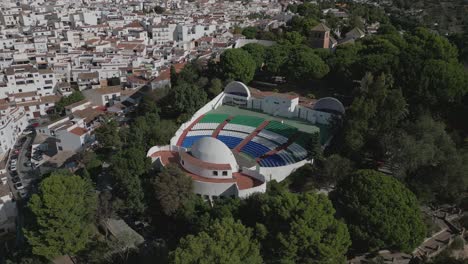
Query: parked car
19	186
37	158
23	193
13	167
15	179
16	151
13	161
28	164
13	173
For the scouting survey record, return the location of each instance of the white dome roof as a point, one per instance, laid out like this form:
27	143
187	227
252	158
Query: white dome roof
212	150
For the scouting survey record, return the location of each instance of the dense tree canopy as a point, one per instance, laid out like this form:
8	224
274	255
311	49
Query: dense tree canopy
224	241
257	52
426	156
237	64
108	135
172	189
381	213
63	213
303	64
297	228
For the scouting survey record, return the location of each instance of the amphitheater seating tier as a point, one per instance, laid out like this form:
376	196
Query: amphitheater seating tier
189	140
299	152
231	142
236	127
273	136
251	121
205	126
199	133
213	118
270	138
280	128
272	161
254	149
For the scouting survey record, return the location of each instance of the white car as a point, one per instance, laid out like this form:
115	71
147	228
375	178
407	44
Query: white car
19	186
13	167
27	132
13	162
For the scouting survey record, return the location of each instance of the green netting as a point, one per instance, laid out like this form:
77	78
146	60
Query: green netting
247	120
282	129
214	118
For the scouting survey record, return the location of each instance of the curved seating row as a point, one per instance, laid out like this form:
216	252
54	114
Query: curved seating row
282	129
205	126
273	136
265	142
231	142
200	133
213	118
251	121
233	134
189	140
298	151
272	161
254	149
242	128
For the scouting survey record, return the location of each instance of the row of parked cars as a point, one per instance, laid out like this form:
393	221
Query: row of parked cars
14	168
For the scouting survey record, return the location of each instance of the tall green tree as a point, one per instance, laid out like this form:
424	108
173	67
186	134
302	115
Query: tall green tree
63	211
275	57
426	157
250	32
224	241
108	135
237	64
257	52
172	188
296	228
381	213
303	64
127	168
188	98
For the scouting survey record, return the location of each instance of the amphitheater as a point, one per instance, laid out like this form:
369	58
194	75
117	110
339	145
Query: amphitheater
244	138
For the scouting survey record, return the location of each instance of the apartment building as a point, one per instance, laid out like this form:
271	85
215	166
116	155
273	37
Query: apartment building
27	78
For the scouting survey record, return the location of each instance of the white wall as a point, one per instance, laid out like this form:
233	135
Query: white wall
280	173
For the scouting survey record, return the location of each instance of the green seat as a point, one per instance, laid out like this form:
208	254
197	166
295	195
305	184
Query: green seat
247	120
214	118
282	129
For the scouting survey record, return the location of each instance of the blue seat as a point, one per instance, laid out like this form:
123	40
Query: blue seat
254	149
188	141
273	161
231	142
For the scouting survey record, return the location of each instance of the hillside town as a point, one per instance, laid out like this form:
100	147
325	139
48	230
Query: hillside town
117	91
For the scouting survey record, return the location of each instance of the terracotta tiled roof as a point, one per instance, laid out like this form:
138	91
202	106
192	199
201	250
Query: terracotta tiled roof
79	131
206	165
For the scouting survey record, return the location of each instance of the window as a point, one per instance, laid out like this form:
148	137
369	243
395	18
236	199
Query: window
106	98
224	173
48	82
215	173
60	148
183	162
